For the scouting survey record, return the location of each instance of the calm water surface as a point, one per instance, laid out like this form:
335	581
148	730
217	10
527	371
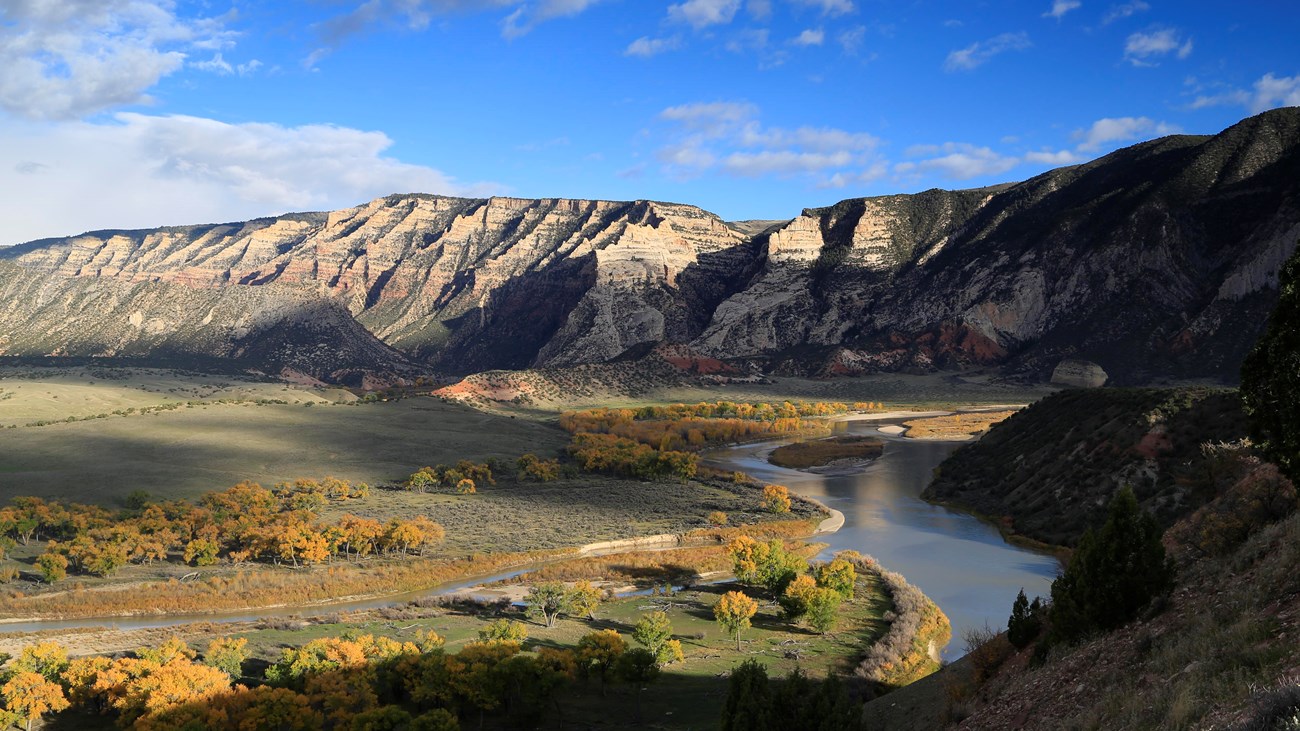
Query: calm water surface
959	561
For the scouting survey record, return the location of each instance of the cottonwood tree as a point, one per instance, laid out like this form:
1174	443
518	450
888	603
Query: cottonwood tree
31	695
733	613
547	600
654	632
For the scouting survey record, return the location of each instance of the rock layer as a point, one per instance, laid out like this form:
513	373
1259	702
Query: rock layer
1155	261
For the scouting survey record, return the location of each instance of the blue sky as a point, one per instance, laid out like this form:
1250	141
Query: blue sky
138	113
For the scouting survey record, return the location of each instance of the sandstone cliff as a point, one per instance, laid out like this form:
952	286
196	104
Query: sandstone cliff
1158	260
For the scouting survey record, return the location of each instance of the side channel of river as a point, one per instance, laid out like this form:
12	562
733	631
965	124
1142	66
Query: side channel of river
960	562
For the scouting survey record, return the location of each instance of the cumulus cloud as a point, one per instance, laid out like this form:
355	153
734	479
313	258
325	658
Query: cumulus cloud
1061	7
703	13
810	37
1268	92
1121	129
645	46
65	59
956	161
1055	158
977	54
729	138
1141	49
143	171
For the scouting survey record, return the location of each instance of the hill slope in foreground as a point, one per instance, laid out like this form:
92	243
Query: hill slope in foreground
1158	260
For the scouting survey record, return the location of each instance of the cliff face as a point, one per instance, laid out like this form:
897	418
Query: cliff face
1157	260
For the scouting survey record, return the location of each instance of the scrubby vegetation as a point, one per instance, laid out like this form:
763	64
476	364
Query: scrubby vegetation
1047	472
802	455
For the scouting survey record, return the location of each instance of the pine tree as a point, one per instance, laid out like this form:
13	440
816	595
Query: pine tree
1113	574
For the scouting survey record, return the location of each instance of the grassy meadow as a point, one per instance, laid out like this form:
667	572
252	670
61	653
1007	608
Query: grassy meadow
195	448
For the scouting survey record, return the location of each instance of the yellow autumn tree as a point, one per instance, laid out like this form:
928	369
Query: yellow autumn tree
734	612
31	695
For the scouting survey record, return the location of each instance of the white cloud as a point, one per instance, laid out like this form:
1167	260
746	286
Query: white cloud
1055	159
828	7
220	66
1121	129
727	137
65	59
977	54
1268	92
1061	7
956	161
523	17
1141	48
530	15
143	171
852	39
759	9
645	46
215	65
1124	10
810	37
703	13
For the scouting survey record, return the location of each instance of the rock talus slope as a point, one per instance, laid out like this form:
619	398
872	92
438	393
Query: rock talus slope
1158	260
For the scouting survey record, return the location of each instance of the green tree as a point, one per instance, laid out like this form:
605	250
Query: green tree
1270	377
1024	624
1113	574
228	655
823	609
838	575
547	600
654	632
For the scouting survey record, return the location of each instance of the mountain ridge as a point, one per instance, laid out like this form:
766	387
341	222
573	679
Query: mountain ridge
1155	261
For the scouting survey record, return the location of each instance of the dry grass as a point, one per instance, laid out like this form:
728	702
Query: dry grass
802	455
954	426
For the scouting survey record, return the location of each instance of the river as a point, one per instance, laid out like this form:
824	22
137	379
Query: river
958	561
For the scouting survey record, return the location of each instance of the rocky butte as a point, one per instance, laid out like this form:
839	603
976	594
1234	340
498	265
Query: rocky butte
1158	260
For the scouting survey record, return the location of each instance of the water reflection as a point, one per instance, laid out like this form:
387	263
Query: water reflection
958	561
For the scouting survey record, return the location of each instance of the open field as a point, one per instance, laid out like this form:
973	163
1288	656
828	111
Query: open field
193	449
